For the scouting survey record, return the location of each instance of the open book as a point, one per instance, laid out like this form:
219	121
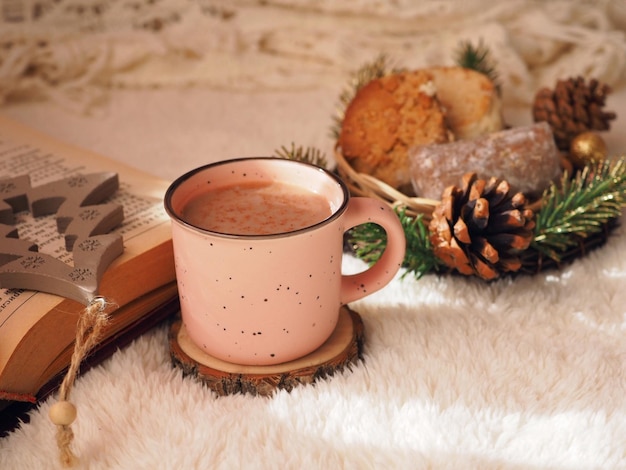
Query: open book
37	329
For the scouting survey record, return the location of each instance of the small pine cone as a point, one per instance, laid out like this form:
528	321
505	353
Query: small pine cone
480	228
573	107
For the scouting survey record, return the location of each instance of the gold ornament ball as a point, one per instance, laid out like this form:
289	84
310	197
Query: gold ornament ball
586	148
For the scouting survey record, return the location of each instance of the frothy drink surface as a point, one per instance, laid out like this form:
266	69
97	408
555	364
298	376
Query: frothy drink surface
256	209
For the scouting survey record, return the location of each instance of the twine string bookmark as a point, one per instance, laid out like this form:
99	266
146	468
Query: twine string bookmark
63	412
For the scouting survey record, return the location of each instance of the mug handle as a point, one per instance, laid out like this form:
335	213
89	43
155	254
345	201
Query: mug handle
362	210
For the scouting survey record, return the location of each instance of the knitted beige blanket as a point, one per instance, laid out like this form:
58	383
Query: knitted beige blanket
293	44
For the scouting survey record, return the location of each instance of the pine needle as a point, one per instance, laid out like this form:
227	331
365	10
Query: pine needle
580	207
477	58
370	240
307	155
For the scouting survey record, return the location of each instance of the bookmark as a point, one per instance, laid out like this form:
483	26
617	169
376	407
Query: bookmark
85	222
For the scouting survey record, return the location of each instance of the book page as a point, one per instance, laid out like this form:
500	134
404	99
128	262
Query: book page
23	151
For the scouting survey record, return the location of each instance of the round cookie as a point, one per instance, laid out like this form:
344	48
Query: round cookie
471	100
387	117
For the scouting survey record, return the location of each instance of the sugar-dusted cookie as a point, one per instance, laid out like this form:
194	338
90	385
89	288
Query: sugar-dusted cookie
525	156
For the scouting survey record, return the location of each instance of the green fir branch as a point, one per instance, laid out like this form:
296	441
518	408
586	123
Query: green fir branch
477	58
369	242
308	155
580	207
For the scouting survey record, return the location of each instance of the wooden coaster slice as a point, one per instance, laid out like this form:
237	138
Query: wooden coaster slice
340	350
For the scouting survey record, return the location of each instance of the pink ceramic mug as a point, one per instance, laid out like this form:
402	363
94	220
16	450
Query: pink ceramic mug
259	299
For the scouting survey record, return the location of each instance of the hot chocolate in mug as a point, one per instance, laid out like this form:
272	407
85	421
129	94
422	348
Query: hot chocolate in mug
258	246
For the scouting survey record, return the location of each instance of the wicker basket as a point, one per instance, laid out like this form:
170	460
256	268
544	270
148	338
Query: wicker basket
533	262
361	184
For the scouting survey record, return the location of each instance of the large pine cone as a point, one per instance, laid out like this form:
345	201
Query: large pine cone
572	108
480	228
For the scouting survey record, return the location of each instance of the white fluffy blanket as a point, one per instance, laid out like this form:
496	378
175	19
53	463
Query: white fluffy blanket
456	374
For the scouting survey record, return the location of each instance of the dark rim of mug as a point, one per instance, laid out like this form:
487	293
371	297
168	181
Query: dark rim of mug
183	178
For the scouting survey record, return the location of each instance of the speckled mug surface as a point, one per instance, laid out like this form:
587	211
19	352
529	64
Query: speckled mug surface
271	298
